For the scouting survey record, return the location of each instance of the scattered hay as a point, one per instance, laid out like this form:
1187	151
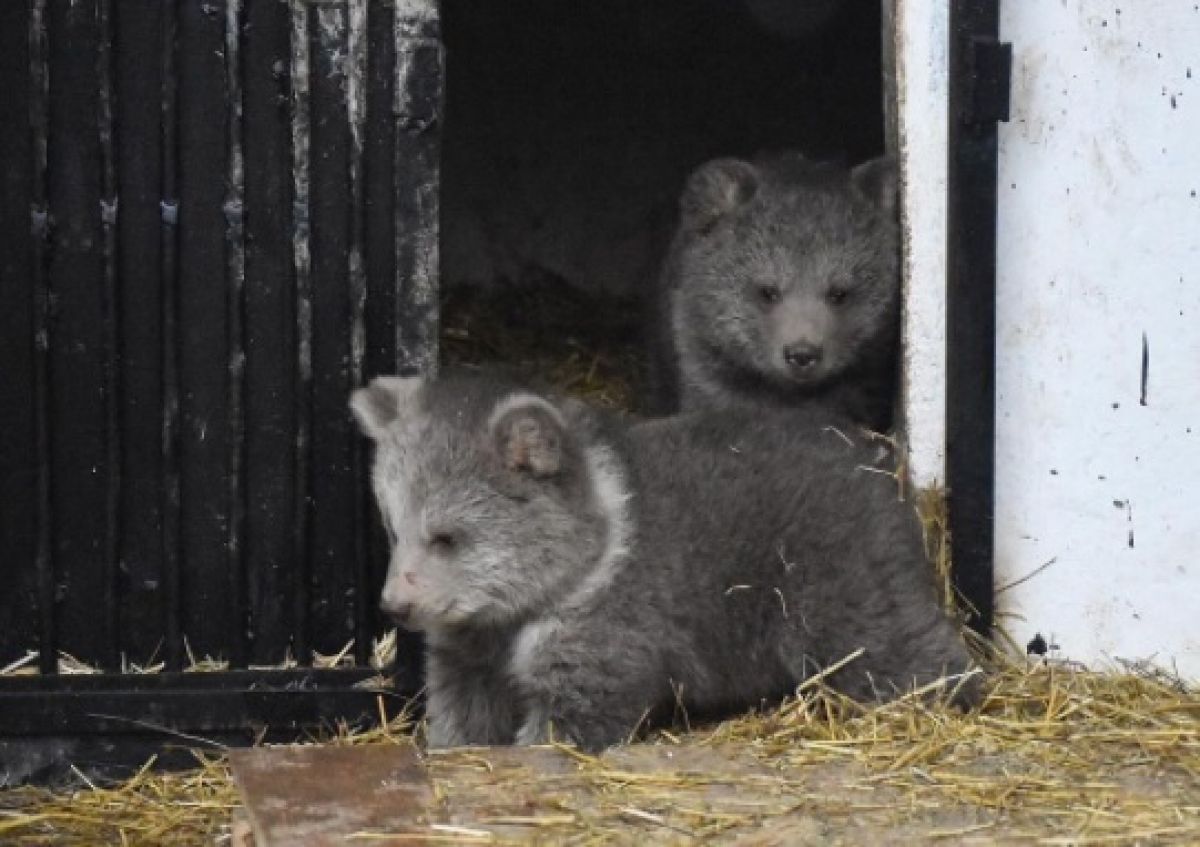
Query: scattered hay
545	330
1055	755
190	807
68	665
383	655
935	529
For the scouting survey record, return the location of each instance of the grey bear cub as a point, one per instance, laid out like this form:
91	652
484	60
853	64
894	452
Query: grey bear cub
781	287
572	570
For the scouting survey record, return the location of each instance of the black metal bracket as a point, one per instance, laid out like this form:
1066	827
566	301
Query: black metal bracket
186	702
108	725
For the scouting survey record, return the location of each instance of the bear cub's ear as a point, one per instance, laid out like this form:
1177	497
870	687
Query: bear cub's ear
529	435
377	406
714	190
878	182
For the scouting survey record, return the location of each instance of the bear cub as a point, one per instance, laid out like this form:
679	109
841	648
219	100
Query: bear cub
574	571
781	287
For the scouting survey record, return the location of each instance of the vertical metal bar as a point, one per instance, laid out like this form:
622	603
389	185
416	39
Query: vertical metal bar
331	616
77	349
18	454
203	328
270	356
170	343
39	82
137	114
971	316
235	249
112	332
356	97
331	574
419	75
302	259
379	253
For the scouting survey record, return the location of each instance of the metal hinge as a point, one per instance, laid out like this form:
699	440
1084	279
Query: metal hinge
990	69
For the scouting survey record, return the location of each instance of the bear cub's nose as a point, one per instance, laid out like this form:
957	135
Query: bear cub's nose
802	355
397	611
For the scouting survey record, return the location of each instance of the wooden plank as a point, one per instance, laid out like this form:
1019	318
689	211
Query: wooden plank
381	794
315	796
240	832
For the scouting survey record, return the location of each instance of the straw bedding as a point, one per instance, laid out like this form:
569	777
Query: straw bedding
1055	755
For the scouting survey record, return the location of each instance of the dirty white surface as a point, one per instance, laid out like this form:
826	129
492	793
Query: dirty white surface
921	35
1098	466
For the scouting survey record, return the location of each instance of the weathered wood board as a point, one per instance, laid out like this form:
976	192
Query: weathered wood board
314	796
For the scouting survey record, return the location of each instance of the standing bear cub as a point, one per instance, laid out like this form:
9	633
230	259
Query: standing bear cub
572	571
781	287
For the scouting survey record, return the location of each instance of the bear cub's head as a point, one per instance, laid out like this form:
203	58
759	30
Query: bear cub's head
788	269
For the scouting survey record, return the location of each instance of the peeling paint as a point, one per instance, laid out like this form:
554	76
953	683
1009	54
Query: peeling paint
301	142
922	91
331	31
356	74
302	267
356	107
420	64
235	250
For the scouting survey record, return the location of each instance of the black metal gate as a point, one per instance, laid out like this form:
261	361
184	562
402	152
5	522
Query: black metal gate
217	217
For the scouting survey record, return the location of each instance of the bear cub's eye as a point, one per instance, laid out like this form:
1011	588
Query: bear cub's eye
442	542
769	293
837	295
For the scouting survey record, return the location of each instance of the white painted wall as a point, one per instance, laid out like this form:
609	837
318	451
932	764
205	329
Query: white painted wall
921	44
1099	246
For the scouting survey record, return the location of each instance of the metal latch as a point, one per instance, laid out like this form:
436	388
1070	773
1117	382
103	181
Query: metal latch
990	68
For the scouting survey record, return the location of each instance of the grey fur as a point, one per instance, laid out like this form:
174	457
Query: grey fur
573	570
750	286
